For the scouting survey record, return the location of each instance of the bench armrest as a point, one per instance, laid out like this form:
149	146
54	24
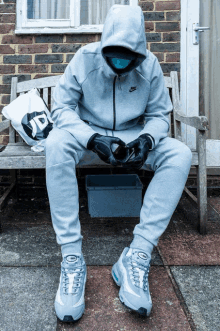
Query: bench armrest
4	125
198	122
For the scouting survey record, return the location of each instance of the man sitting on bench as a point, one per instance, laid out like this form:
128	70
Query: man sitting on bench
114	83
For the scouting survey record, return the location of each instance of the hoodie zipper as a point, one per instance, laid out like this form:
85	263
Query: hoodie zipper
114	119
114	111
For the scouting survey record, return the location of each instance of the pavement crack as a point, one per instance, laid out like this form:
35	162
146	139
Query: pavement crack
178	293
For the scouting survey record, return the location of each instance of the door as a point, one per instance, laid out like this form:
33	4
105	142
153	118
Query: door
200	71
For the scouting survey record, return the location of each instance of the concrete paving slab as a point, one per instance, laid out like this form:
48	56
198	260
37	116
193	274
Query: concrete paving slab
181	243
27	298
104	311
36	246
200	288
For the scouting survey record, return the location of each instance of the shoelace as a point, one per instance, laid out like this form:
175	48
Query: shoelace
135	268
76	281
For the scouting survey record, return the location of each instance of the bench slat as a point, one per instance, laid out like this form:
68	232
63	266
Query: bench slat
37	83
52	81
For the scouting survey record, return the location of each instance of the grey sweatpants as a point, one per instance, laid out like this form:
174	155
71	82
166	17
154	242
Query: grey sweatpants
170	160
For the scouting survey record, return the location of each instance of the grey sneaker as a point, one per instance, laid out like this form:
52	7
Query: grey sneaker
69	302
131	274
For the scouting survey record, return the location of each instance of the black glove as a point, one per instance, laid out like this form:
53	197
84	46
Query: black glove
142	145
101	145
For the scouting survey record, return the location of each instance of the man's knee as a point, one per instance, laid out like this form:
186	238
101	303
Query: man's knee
60	147
181	156
184	151
175	152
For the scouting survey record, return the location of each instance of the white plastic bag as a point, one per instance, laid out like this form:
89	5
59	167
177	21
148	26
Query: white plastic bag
31	118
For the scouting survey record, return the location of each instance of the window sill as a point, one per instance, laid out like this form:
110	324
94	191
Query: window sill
80	29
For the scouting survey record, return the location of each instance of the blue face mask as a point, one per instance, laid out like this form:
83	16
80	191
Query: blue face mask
119	63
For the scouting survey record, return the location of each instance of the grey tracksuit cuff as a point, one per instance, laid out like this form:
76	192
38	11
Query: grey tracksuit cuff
151	138
143	244
90	140
71	248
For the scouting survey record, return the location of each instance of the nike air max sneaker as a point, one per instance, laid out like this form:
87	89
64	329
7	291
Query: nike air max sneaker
69	302
131	274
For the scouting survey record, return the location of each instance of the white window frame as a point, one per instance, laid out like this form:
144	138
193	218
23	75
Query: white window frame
51	26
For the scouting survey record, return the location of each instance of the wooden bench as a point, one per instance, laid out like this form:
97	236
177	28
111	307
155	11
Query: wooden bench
18	155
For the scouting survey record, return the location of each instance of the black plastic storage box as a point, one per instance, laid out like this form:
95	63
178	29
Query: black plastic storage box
114	195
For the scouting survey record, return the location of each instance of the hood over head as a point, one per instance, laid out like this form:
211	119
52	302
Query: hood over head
124	36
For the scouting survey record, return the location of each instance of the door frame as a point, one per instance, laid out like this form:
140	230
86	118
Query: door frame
189	68
189	82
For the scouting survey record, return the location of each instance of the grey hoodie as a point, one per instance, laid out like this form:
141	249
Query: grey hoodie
90	90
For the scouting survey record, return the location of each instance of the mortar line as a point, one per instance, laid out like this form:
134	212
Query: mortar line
178	294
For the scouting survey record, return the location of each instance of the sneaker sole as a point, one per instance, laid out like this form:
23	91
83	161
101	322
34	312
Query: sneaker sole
69	318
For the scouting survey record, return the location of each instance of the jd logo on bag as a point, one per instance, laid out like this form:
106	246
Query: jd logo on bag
36	125
31	118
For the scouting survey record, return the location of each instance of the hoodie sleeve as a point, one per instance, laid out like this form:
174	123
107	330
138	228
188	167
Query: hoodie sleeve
158	107
66	96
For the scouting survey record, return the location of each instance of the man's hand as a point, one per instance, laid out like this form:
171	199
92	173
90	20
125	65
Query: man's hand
141	147
101	145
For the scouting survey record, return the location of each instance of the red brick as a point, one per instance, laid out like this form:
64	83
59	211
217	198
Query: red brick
45	39
65	48
160	56
5	99
149	26
7	18
173	16
6	49
17	59
154	16
167	26
6	79
32	68
4	69
168	67
82	38
173	36
147	6
7	8
173	57
32	49
12	39
48	58
165	47
5	89
6	28
167	5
